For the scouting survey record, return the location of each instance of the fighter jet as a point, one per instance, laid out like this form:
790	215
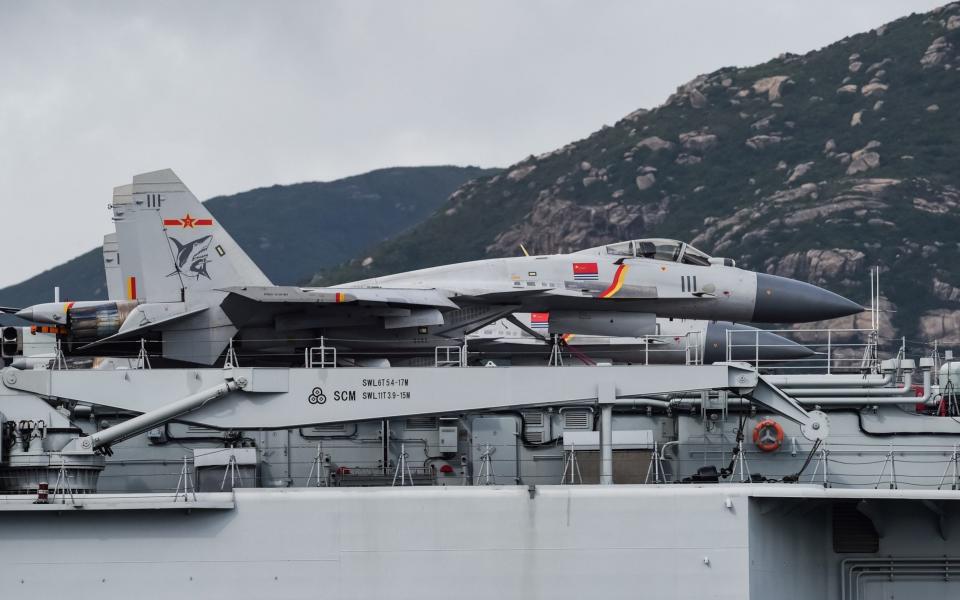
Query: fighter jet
524	339
186	280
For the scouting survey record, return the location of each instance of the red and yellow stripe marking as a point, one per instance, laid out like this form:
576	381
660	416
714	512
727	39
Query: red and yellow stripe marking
131	288
35	329
567	337
617	283
341	297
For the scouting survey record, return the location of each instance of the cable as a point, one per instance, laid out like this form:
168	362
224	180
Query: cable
796	477
726	472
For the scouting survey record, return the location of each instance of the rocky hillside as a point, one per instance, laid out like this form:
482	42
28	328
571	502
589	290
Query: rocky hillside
289	230
815	167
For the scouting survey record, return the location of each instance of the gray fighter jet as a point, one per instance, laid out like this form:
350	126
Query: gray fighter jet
185	279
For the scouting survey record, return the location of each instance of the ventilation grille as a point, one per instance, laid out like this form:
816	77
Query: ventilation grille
327	429
852	531
198	429
534	437
193	431
422	423
577	419
533	419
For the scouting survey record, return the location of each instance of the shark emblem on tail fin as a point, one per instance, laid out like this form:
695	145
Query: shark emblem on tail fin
191	258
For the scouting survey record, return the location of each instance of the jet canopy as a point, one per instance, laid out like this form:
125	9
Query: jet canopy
660	249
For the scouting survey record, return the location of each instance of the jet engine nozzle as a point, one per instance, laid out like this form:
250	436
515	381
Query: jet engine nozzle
90	320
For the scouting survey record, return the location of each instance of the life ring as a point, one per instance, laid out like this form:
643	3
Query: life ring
768	435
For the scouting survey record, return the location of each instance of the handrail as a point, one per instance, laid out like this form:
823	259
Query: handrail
829	354
310	356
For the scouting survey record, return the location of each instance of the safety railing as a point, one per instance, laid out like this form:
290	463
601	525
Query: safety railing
321	356
688	348
831	350
360	461
837	464
449	356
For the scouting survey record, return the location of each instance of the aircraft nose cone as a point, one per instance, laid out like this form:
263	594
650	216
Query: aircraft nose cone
748	344
26	314
782	300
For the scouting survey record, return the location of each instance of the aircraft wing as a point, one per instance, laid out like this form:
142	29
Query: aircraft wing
9	310
429	298
149	326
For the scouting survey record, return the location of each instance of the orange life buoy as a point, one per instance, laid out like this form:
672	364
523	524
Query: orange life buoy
768	435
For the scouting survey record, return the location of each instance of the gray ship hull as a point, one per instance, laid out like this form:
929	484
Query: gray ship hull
609	542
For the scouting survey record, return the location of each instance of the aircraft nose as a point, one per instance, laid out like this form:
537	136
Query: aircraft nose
749	344
26	314
783	300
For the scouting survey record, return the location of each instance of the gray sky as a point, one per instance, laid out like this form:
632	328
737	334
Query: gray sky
236	95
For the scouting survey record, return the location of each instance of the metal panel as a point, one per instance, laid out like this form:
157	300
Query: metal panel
363	543
448	439
216	457
497	438
369	393
622	439
264	379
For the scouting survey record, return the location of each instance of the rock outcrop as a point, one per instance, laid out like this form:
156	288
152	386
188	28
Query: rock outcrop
770	86
698	140
940	324
655	143
936	53
645	182
864	159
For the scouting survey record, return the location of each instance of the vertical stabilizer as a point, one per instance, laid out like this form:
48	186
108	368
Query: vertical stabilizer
171	244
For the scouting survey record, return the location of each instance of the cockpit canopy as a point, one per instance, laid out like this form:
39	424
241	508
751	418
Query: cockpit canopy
660	249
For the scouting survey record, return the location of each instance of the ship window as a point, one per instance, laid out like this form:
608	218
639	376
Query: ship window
621	249
692	256
659	249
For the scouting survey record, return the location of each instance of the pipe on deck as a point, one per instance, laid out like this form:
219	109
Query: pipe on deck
903	390
816	381
606	397
876	400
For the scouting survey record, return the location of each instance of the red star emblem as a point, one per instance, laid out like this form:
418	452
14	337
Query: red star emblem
188	222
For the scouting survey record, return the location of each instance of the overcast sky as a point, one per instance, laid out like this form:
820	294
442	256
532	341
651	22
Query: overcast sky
236	95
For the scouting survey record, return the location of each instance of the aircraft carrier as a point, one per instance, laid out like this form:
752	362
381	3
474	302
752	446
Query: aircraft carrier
515	459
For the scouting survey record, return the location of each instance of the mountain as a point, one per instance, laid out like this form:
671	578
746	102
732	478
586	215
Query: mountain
816	167
289	230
